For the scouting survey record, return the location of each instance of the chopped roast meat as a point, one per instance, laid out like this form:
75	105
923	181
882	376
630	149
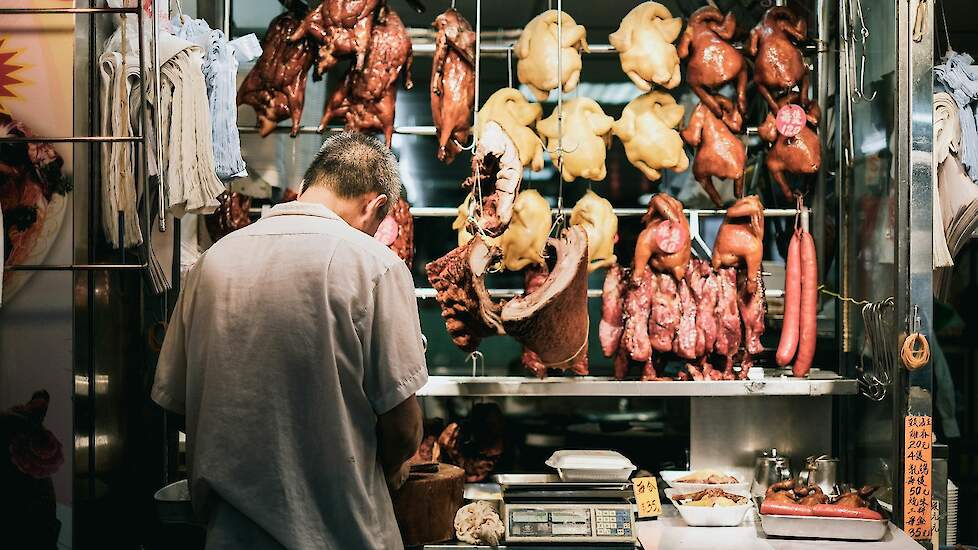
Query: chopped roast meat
366	98
612	305
778	63
342	28
740	239
665	242
231	215
728	329
684	342
553	320
276	86
638	301
497	172
719	153
475	443
452	82
714	62
397	231
459	282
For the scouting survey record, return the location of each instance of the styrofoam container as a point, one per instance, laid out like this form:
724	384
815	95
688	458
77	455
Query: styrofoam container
670	477
575	466
714	516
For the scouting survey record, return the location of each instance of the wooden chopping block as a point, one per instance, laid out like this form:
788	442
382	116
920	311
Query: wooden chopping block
425	506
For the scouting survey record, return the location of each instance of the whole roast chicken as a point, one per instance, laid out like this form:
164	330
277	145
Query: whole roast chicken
596	215
537	50
719	153
800	154
778	63
714	62
518	117
740	239
644	41
524	239
276	86
586	136
366	98
342	28
452	82
665	243
647	129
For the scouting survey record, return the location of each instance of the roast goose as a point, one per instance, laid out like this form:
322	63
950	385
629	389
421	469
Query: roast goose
497	173
719	153
778	63
276	86
518	118
342	28
452	82
799	154
397	231
714	63
365	99
644	42
552	321
537	49
647	129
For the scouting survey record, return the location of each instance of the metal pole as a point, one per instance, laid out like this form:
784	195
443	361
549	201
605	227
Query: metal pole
163	203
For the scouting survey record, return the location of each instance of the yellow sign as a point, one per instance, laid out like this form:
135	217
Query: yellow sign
647	497
917	477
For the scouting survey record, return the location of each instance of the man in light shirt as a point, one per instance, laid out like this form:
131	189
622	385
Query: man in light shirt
295	352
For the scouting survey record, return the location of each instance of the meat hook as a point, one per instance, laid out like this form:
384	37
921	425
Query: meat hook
477	359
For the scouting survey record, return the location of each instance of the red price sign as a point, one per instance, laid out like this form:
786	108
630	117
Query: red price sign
790	120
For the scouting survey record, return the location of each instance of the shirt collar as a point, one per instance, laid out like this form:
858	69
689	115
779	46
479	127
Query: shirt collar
297	208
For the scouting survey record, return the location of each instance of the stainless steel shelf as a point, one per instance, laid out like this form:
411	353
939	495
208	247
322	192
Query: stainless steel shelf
500	49
818	383
451	211
429	293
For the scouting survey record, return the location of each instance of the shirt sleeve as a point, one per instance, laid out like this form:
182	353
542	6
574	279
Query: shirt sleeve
170	384
395	368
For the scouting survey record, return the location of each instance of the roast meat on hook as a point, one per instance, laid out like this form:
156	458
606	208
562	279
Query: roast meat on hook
452	82
342	28
778	63
665	243
644	42
496	173
714	62
719	153
800	154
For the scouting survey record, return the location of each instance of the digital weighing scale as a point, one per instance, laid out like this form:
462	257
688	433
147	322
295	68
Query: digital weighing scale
539	508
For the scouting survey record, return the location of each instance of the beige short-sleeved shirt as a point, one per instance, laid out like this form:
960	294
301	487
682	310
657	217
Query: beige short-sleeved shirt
289	338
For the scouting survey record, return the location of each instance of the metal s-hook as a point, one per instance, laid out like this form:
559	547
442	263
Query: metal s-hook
477	359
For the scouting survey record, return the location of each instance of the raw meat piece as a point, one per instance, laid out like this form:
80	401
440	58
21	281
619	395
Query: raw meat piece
452	82
276	86
612	305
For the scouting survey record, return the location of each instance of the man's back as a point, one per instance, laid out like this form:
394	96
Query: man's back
297	332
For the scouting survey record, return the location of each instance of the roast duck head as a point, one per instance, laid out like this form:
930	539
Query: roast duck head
647	129
518	117
645	46
586	136
665	243
495	181
537	50
596	215
740	239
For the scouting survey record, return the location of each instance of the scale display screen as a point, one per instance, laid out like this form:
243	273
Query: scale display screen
569	523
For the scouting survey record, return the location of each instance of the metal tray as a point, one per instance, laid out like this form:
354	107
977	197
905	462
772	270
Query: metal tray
536	481
813	527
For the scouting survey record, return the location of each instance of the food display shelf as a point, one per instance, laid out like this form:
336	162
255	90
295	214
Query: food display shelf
818	382
429	293
502	49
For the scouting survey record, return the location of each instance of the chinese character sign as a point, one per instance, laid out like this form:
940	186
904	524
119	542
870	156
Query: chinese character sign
917	477
790	120
646	497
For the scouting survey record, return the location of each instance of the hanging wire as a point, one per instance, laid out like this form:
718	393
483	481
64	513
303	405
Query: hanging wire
509	65
947	35
558	159
823	290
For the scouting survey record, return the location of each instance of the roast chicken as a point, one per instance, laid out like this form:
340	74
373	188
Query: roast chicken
597	217
719	153
665	243
586	137
537	50
524	239
366	98
342	28
517	116
714	62
647	129
778	63
644	41
801	154
452	82
740	238
276	86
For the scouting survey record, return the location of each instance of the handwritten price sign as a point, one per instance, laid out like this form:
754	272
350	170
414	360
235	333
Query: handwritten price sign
646	497
917	477
790	120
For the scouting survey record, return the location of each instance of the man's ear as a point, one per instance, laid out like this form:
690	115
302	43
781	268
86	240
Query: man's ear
378	203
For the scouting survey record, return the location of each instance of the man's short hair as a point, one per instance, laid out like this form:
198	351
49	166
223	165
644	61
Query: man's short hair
351	164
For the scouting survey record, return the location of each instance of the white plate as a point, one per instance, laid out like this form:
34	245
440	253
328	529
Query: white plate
715	516
670	477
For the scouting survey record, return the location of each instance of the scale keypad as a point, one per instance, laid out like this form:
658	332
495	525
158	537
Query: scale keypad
609	523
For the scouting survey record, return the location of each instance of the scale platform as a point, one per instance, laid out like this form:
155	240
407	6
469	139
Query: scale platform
539	508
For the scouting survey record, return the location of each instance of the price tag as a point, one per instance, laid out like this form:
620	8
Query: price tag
790	120
917	477
647	497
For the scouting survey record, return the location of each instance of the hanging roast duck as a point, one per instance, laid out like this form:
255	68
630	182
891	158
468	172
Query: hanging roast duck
452	82
714	62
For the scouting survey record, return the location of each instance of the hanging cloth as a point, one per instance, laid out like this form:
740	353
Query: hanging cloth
947	136
961	79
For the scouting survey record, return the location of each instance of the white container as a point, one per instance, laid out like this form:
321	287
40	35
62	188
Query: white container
670	477
713	516
576	466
